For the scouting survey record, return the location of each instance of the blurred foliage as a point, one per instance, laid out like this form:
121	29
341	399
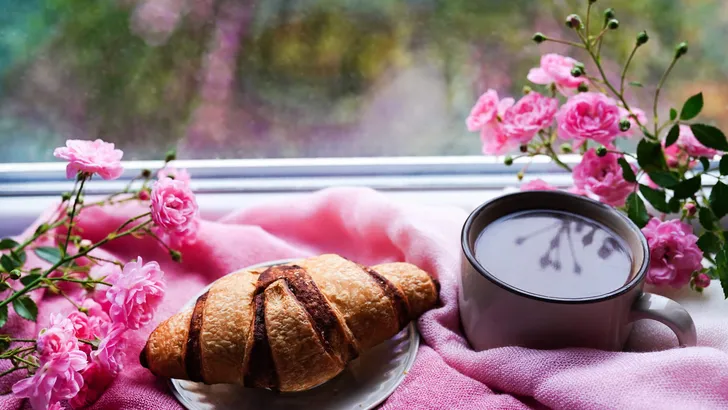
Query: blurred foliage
311	77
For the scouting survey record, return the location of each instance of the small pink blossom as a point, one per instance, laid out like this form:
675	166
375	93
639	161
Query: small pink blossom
174	173
95	382
60	360
55	406
602	177
577	191
634	128
530	114
702	281
538	185
136	294
677	157
690	209
109	355
556	69
486	110
674	253
591	116
495	142
58	337
689	144
95	309
174	208
85	327
143	195
91	157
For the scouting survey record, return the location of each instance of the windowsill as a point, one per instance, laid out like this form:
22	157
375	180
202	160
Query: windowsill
226	185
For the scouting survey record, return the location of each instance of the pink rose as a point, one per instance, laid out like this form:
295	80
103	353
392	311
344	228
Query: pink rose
538	185
530	114
85	327
174	173
495	142
58	338
95	382
677	157
174	208
602	177
702	281
674	253
577	191
95	309
110	354
689	144
486	110
136	294
556	69
634	128
591	116
91	157
57	377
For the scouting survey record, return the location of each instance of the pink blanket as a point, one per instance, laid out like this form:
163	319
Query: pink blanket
367	227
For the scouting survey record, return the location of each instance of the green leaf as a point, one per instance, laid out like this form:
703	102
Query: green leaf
710	136
706	218
723	165
627	171
636	84
721	268
664	179
20	257
26	308
655	197
28	279
8	243
8	263
673	114
650	156
719	199
705	162
672	135
636	210
692	107
709	243
687	188
48	254
3	315
674	204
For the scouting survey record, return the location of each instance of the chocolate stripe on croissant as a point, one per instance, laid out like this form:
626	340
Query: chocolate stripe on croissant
395	295
193	353
261	370
322	317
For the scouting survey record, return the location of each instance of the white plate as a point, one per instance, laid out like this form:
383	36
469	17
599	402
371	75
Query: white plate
364	384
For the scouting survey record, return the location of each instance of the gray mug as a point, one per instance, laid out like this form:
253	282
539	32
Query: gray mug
495	313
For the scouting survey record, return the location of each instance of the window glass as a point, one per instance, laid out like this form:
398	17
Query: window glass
308	78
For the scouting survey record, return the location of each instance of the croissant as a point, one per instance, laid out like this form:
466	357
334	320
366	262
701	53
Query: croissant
290	327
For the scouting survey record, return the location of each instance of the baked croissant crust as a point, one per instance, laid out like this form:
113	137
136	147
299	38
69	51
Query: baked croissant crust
289	327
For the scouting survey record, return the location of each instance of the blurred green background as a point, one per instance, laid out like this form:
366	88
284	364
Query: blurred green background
309	78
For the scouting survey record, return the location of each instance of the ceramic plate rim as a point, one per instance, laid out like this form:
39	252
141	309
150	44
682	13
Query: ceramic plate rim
414	340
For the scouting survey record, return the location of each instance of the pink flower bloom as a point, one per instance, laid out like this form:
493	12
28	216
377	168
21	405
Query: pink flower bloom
634	129
486	110
538	185
591	116
144	195
577	191
602	177
60	360
95	309
674	253
55	406
702	281
689	144
95	382
91	157
174	173
690	209
58	338
555	68
677	157
136	294
110	354
174	208
494	141
530	114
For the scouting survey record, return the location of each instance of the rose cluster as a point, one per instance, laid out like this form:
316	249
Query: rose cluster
574	117
80	354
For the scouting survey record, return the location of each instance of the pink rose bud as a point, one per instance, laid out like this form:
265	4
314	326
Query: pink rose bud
143	195
702	281
690	209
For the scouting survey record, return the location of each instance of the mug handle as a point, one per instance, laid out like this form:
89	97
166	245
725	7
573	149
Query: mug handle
667	312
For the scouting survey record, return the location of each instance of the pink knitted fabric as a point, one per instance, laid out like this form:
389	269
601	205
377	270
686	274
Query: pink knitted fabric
365	226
